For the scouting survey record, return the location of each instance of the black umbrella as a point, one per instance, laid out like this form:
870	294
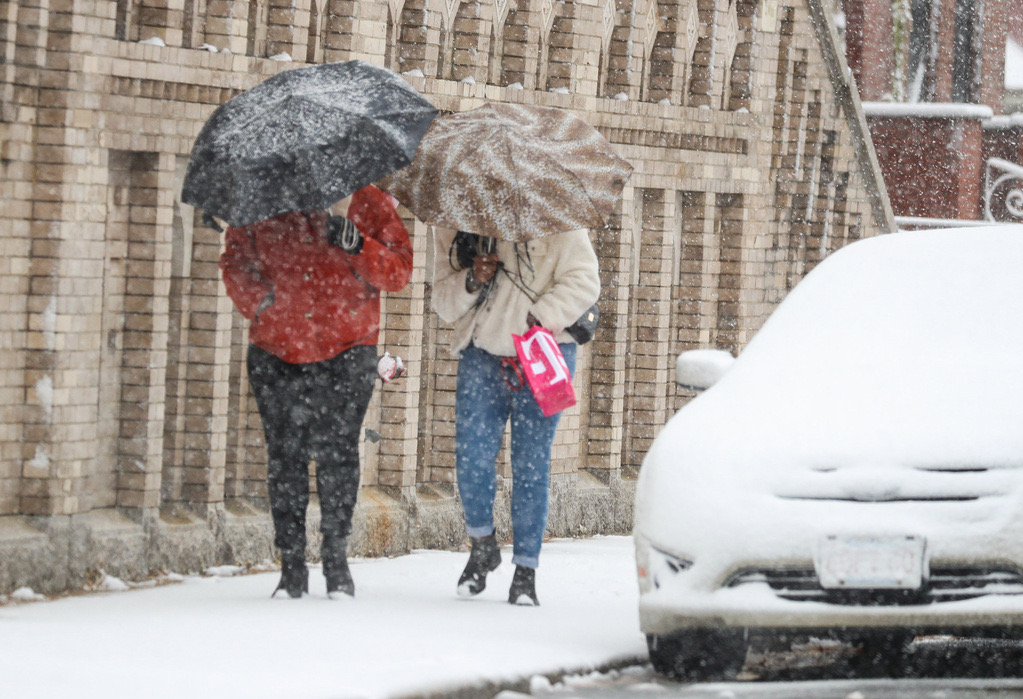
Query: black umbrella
304	139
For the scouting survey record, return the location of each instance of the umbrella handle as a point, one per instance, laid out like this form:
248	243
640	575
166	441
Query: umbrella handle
210	222
485	245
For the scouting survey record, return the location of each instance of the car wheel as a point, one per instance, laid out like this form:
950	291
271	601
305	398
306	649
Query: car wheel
698	654
881	654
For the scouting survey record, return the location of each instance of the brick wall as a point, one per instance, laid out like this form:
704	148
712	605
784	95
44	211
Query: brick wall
130	440
932	164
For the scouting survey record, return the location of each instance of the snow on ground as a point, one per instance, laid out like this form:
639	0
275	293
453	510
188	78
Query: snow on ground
406	631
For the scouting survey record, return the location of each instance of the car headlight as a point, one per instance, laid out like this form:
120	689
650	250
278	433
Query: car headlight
654	567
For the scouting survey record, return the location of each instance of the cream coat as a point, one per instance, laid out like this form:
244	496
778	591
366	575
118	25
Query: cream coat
564	281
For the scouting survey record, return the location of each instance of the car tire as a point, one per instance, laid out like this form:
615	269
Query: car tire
881	654
698	654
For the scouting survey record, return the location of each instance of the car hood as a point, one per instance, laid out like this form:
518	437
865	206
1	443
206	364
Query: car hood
911	444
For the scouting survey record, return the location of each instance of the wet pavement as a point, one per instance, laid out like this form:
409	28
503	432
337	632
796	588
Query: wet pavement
931	668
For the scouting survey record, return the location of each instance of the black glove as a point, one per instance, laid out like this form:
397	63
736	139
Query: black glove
465	246
342	232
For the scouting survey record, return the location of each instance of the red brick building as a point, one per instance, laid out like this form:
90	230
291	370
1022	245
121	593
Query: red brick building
931	75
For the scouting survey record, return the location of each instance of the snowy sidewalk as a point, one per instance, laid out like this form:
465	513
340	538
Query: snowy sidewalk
406	632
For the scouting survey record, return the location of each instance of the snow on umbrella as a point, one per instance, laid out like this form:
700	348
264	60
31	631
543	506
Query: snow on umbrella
304	139
512	171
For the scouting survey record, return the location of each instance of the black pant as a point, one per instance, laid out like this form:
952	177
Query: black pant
312	412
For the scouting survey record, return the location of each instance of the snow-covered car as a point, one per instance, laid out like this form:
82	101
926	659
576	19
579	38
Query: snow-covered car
857	471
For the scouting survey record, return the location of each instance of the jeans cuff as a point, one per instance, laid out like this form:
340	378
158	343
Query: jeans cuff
478	532
526	561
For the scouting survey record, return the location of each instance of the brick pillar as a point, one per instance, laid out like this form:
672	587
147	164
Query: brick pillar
726	41
236	25
288	28
969	168
625	62
470	42
701	78
663	61
40	486
704	269
8	39
436	385
202	389
144	337
869	41
992	52
518	57
547	17
648	356
352	28
608	363
46	312
943	12
728	312
315	31
245	467
15	258
403	320
163	19
687	283
418	36
564	59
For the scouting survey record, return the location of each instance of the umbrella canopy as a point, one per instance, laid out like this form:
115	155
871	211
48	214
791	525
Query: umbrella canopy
304	139
512	171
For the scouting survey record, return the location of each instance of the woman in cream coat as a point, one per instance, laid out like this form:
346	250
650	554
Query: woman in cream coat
489	296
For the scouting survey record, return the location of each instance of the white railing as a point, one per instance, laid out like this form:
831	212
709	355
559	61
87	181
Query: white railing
1003	176
904	222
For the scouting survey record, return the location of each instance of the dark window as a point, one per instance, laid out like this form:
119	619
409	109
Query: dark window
964	56
917	70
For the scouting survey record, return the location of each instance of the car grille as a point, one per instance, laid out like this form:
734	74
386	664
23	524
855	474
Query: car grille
923	484
944	584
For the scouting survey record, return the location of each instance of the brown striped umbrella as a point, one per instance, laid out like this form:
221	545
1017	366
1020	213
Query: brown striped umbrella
512	171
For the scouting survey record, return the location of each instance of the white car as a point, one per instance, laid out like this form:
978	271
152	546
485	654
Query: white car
857	472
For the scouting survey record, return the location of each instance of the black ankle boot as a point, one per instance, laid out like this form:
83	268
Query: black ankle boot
294	576
484	557
523	587
335	569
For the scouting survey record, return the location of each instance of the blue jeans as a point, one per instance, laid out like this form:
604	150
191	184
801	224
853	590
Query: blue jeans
483	405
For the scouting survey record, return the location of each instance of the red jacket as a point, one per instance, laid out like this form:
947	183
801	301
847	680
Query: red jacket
324	300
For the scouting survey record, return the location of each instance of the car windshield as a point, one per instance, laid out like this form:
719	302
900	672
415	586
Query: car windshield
891	346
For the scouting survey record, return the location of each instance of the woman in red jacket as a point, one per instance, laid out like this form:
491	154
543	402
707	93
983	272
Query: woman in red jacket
309	283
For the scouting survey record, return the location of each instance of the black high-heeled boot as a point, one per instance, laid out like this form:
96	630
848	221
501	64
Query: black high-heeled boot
294	576
523	587
484	557
335	569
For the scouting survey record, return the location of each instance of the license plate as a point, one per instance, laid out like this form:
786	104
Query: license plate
865	562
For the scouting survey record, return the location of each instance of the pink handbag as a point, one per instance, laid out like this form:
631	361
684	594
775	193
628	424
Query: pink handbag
546	371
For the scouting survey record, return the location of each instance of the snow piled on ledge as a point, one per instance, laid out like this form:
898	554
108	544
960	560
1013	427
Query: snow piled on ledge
928	110
1005	121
